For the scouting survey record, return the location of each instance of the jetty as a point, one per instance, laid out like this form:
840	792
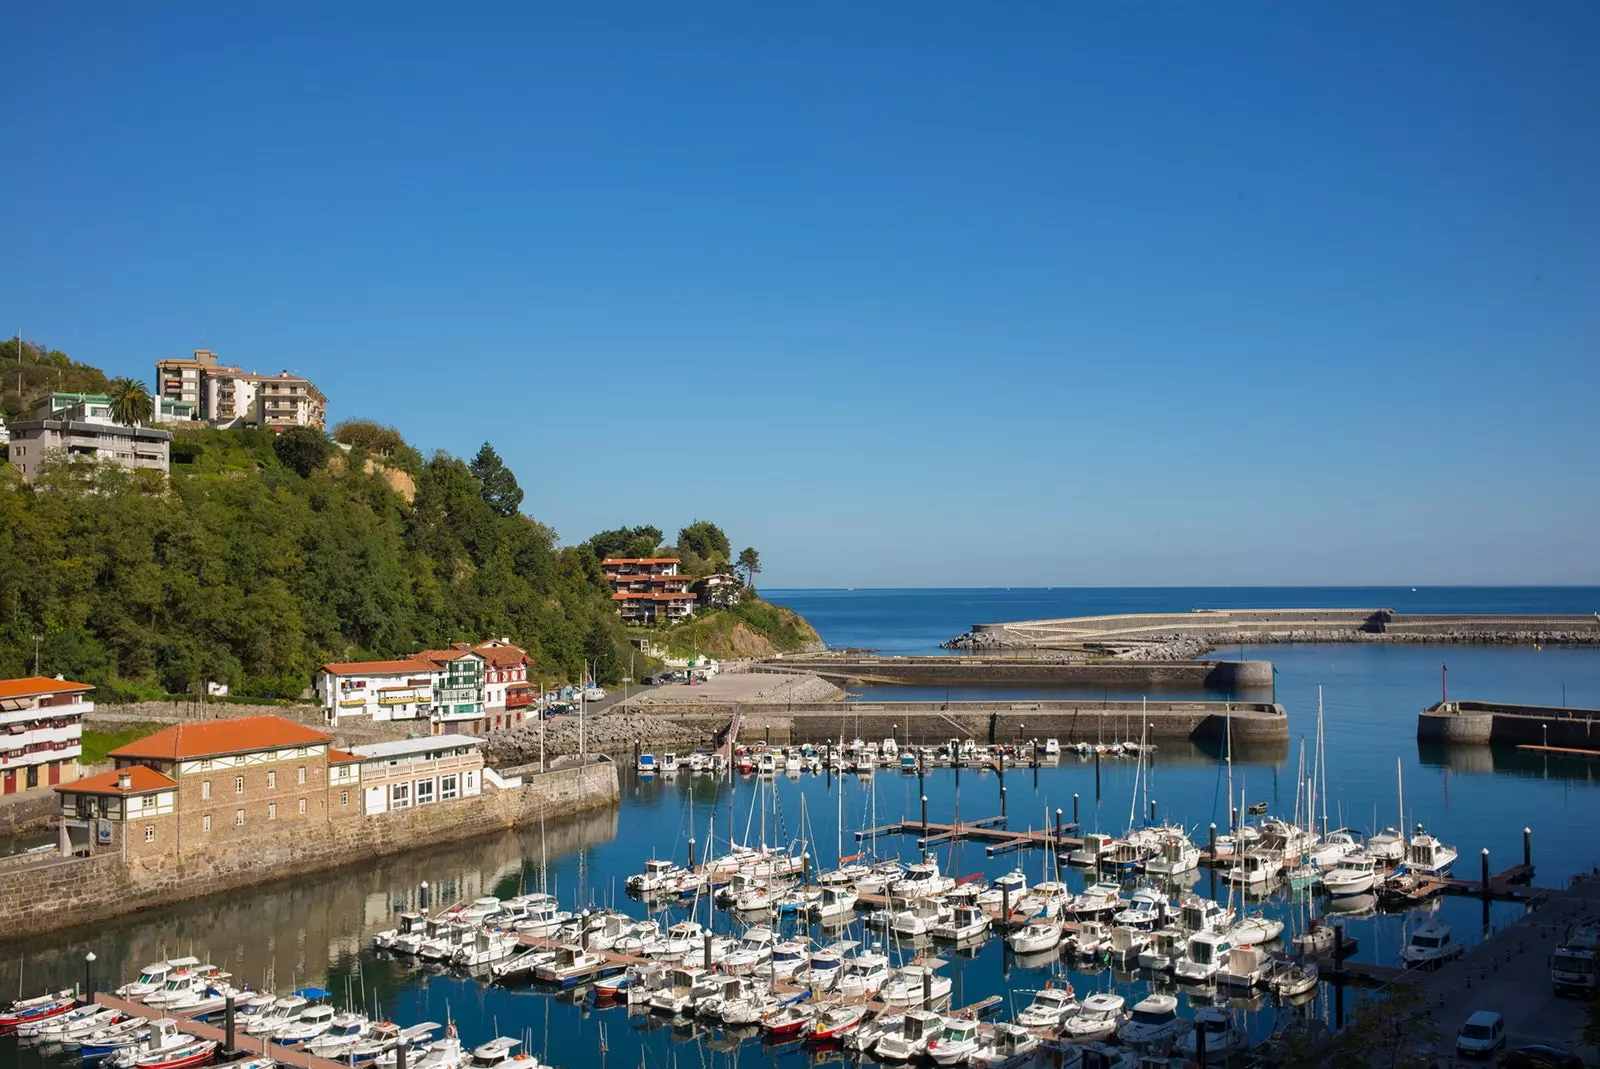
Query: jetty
1550	728
1029	670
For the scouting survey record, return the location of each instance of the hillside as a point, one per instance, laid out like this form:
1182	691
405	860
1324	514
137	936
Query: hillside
39	371
753	628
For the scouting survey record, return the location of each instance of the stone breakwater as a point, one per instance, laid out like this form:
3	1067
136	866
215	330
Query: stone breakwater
612	731
55	892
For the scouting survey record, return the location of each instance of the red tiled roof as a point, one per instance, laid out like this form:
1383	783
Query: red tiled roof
502	656
211	738
340	757
378	668
34	686
650	578
648	596
142	781
441	656
642	560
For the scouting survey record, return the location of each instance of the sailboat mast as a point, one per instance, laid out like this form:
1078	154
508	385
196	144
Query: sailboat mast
1400	781
1322	765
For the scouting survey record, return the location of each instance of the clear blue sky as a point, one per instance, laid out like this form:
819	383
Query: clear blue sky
910	294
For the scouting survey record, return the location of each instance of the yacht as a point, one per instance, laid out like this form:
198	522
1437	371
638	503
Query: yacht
1101	1016
1223	1037
1146	910
864	975
1431	944
915	984
1288	979
1098	901
1035	936
1154	1020
956	1043
1355	874
1204	956
1049	1008
966	924
908	1043
922	880
1009	1048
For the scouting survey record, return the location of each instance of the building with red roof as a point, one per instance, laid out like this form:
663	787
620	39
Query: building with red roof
41	731
646	590
471	687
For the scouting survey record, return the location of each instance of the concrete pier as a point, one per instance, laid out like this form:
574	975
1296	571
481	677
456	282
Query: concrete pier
1475	723
978	671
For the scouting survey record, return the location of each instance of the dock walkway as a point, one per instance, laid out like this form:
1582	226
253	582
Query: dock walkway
244	1044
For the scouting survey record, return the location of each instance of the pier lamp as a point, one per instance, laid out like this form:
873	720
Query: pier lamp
1546	729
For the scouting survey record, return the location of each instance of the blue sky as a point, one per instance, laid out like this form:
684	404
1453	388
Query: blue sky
902	294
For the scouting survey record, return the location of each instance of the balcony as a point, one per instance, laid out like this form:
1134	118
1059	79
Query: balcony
46	712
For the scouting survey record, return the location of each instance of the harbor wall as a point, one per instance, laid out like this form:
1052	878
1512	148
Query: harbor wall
974	671
1474	723
57	892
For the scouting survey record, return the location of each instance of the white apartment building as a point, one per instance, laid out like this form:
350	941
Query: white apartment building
229	396
41	731
381	690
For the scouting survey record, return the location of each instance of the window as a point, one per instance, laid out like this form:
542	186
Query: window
344	798
302	805
302	775
205	788
238	785
238	818
149	833
272	781
447	786
399	795
424	791
272	810
205	764
205	822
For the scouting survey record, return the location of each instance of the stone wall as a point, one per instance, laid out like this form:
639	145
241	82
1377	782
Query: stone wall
1492	723
974	671
59	892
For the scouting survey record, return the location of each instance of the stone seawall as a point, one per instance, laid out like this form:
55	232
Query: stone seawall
60	892
1473	723
977	671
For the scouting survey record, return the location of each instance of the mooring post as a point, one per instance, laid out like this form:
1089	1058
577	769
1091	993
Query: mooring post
1485	872
1075	822
1338	950
88	977
1058	828
691	855
1002	801
399	1053
927	989
1200	1046
422	897
1097	777
924	816
707	942
1152	810
1005	904
1211	843
1527	849
227	1025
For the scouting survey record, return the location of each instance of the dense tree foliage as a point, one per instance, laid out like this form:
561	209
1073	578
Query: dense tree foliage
302	449
496	484
705	540
380	441
29	370
639	541
239	570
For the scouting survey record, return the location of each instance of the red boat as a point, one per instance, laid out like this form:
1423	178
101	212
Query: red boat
197	1053
791	1020
35	1009
837	1021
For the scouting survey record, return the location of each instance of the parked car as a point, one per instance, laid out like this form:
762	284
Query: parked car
1482	1035
1540	1056
594	694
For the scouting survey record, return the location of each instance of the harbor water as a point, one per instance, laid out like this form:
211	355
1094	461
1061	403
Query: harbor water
317	929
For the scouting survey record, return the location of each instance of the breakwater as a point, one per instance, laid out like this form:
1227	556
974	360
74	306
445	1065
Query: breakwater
1475	723
1045	671
1188	634
45	893
927	723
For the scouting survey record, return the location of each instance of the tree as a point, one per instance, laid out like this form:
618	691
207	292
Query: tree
130	401
638	541
750	561
302	449
706	540
498	486
1391	1031
601	651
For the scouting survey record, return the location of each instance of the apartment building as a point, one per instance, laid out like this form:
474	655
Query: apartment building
647	590
80	425
381	690
228	396
469	687
41	731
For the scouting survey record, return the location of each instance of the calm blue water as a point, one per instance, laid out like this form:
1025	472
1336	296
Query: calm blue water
318	929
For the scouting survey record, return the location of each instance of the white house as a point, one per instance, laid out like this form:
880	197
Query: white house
381	690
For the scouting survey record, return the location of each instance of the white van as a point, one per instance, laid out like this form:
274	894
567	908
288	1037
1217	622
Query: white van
1482	1035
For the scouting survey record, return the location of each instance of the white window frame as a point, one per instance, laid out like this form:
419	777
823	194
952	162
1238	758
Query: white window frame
272	780
149	833
425	787
238	785
301	775
272	810
302	806
449	787
399	796
238	818
205	789
205	822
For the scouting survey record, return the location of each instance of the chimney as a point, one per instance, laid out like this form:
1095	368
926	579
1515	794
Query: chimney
125	781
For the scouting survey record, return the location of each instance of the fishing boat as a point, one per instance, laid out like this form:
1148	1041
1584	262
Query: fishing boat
1222	1036
1247	966
1154	1021
1204	955
966	924
1427	856
1050	1006
1089	939
669	763
29	1011
573	965
647	764
1101	1016
1255	868
1009	1047
163	1042
521	966
1431	944
916	984
1126	943
678	994
1161	953
1095	848
790	1019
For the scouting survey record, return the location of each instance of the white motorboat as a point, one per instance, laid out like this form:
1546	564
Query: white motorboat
1428	856
1126	943
571	965
916	984
1223	1036
1165	947
669	763
1200	914
966	924
957	1042
1090	938
1205	954
922	880
487	947
312	1022
834	902
863	975
1289	979
657	875
921	917
153	978
1098	901
1256	928
1176	854
647	763
1247	966
754	951
342	1034
498	1054
1254	869
1355	874
1010	1047
1050	1006
917	1029
1012	888
1035	937
1431	944
677	995
1102	1015
1146	910
280	1014
1095	847
1335	847
1154	1021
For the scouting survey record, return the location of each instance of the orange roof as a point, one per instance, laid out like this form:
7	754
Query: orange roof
142	781
340	757
650	578
212	738
642	560
377	668
441	656
34	686
502	656
632	595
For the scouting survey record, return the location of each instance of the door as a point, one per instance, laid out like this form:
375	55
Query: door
33	775
55	773
10	782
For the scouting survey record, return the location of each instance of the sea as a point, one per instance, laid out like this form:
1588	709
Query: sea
316	930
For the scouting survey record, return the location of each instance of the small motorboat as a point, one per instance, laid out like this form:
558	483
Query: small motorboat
1050	1006
958	1042
1154	1020
1431	945
24	1012
1101	1016
1010	1047
1223	1037
910	1041
1288	979
832	1024
1035	936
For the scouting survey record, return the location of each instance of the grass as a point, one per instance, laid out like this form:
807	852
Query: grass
97	744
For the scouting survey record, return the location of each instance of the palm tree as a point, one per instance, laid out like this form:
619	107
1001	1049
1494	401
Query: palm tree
130	402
